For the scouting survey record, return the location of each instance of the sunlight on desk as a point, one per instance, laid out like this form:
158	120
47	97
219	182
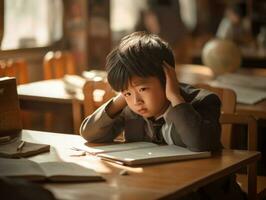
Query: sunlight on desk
144	182
49	89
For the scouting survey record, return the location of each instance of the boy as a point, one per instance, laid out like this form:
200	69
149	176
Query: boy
142	69
154	106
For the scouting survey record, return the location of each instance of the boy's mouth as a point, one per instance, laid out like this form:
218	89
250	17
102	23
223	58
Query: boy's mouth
142	110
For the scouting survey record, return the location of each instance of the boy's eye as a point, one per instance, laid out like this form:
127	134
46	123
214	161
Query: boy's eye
126	94
142	89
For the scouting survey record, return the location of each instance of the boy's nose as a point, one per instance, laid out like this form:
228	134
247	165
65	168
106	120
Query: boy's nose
137	99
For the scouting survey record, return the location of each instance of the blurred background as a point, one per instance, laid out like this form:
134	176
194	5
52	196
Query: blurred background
56	49
90	28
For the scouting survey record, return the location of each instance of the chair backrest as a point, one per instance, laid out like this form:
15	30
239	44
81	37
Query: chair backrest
228	99
57	64
15	68
95	94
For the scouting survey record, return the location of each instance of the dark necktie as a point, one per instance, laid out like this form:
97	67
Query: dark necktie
157	133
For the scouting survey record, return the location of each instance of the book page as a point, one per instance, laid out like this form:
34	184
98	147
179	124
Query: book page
67	171
21	168
154	154
121	147
244	94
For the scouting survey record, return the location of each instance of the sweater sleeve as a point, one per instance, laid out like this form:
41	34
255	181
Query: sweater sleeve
100	127
197	123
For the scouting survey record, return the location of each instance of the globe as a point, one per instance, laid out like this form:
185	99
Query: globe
222	56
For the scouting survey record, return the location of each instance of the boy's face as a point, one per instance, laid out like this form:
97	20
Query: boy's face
146	96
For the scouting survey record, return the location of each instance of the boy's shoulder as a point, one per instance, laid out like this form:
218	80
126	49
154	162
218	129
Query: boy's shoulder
193	95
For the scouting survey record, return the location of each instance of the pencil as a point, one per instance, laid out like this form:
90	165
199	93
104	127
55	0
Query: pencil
123	172
20	146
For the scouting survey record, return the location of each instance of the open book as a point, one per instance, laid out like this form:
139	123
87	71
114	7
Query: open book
136	153
47	171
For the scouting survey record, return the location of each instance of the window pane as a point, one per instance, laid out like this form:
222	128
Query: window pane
31	23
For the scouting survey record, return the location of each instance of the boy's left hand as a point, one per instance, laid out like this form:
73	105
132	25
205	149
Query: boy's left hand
172	89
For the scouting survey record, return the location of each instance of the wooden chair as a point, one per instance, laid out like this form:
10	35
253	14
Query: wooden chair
95	94
229	117
57	64
228	99
15	68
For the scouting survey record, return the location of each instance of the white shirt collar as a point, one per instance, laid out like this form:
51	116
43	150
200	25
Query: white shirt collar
162	115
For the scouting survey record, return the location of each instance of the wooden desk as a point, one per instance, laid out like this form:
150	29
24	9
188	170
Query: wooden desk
50	96
47	91
194	74
258	110
167	180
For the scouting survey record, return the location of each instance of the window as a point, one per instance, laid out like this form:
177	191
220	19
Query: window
124	16
31	23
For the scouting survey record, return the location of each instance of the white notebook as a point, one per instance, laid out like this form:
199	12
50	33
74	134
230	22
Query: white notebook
136	153
244	94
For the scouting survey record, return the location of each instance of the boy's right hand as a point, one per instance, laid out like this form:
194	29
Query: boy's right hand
116	106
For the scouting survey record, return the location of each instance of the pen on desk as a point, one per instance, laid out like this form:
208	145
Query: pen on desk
124	172
21	145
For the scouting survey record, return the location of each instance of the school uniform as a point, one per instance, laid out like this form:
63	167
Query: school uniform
193	124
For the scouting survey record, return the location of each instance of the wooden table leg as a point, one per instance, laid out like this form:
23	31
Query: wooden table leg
77	115
252	181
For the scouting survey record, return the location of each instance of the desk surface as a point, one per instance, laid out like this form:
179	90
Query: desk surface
258	110
144	182
194	74
47	90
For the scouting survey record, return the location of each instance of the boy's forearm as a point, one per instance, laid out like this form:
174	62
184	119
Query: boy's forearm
117	105
99	127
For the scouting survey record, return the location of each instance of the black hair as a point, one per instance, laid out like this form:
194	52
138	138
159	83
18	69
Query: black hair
138	54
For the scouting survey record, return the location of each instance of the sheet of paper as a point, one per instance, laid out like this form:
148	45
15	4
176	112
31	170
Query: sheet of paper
250	81
244	94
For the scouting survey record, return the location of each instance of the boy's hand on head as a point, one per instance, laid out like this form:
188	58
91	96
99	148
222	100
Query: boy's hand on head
172	89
